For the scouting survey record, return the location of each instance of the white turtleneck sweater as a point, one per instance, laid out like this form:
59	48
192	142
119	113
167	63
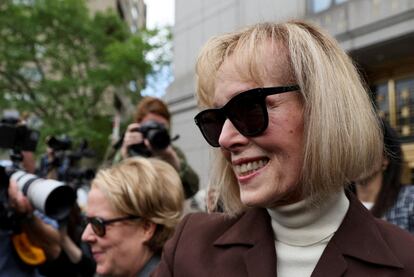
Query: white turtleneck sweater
302	232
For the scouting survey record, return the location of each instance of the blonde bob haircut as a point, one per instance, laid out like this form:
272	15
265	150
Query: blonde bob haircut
341	130
148	188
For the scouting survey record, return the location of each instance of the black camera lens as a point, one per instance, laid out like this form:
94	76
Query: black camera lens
155	133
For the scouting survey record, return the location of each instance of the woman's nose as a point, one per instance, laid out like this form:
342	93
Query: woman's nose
230	137
88	234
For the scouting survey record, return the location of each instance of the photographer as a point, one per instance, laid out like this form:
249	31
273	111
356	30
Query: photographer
40	229
33	239
152	113
54	163
39	232
61	163
27	236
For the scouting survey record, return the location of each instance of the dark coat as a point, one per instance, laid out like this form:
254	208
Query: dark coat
214	245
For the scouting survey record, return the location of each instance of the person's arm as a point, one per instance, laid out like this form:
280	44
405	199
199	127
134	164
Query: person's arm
42	235
130	138
29	162
39	233
188	176
73	252
168	155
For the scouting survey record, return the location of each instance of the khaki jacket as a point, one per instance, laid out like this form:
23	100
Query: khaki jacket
214	245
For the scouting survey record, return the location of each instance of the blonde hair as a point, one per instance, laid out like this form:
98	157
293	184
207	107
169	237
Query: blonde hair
342	134
145	187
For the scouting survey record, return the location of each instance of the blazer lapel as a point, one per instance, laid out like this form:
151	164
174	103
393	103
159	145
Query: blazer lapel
254	231
332	263
357	237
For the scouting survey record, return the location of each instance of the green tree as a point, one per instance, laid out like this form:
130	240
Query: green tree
64	65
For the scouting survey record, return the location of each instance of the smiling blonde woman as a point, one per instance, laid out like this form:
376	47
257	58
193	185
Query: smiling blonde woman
294	125
132	210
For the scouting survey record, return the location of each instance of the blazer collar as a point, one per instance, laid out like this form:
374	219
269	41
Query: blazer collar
253	230
357	237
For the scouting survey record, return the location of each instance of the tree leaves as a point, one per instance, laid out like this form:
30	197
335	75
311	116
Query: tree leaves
63	65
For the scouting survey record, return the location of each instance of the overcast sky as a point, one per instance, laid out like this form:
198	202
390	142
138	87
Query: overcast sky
160	13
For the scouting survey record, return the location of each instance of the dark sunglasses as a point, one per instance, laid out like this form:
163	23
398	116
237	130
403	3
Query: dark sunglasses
247	112
98	224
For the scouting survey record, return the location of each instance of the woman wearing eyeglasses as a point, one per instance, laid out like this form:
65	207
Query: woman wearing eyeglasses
293	125
132	210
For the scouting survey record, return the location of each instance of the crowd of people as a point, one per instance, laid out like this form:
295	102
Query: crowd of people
306	179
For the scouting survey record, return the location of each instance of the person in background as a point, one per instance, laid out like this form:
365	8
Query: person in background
28	238
382	192
75	258
151	109
293	125
132	210
23	251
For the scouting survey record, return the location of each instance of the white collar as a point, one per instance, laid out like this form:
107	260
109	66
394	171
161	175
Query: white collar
301	224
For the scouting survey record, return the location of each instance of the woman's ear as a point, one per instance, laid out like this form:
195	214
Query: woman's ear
149	228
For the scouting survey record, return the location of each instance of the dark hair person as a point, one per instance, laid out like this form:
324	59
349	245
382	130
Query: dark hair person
382	192
293	125
154	110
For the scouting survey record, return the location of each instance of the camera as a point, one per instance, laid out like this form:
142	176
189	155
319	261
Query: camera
75	175
59	144
155	133
53	198
15	136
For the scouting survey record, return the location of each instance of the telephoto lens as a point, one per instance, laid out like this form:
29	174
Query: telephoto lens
53	198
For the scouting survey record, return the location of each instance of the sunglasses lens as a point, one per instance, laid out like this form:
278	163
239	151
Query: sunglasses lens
210	123
248	114
97	226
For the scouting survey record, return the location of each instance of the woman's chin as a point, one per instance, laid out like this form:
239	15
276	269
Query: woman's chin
251	199
101	270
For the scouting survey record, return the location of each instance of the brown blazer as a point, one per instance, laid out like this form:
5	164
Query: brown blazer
214	245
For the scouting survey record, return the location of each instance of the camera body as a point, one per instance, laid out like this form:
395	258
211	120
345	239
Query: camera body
156	134
53	198
59	144
15	136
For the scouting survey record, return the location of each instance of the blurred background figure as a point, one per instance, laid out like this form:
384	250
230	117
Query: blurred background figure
132	210
61	162
149	136
383	192
28	238
74	259
31	242
54	163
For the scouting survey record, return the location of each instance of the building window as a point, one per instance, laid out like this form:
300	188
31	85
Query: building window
404	93
317	6
382	101
395	103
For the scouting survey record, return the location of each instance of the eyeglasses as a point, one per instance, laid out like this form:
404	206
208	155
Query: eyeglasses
247	112
98	224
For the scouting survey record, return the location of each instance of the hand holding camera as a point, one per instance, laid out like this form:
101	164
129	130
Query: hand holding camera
131	138
18	201
152	134
149	139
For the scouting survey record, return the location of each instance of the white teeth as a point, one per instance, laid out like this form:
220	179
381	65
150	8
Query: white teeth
247	168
